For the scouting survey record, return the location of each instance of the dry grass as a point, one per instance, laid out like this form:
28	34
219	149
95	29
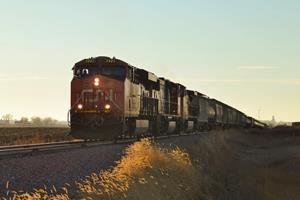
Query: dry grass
145	172
38	194
218	165
211	155
32	135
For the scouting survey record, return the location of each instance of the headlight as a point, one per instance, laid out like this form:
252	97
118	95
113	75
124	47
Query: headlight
96	81
107	106
79	106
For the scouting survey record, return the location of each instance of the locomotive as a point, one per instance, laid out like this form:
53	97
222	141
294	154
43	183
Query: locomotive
111	99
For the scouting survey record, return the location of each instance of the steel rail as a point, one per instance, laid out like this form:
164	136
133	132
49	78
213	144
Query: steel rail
23	150
39	144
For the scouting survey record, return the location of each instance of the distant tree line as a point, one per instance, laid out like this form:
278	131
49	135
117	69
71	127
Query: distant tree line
37	121
7	117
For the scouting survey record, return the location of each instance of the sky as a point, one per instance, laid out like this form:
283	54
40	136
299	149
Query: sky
244	53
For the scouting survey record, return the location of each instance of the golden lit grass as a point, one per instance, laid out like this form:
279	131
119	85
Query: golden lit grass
37	194
145	172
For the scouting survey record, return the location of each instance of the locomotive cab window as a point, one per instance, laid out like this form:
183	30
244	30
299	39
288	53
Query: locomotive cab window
81	72
116	72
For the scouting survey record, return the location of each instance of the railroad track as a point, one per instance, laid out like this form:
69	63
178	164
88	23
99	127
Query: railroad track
30	149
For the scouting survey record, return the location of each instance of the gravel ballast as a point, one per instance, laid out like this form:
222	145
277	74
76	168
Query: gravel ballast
56	168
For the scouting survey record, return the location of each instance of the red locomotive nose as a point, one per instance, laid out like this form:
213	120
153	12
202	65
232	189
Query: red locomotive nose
97	93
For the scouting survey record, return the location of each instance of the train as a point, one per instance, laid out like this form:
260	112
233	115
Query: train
112	99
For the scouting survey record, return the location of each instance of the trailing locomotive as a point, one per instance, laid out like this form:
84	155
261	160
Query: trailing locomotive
112	99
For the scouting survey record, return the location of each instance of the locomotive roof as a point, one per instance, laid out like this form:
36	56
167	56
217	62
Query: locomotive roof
196	93
99	60
224	104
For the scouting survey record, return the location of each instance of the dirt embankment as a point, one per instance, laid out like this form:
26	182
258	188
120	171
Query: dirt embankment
265	165
253	164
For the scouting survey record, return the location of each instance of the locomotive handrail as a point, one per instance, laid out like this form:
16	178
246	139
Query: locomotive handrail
115	104
69	118
80	97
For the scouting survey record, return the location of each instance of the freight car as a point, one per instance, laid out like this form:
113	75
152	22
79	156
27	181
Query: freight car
111	99
251	122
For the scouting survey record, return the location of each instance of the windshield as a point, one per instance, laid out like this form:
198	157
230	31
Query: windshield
117	72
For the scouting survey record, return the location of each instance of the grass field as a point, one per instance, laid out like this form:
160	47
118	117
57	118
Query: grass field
218	165
32	135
